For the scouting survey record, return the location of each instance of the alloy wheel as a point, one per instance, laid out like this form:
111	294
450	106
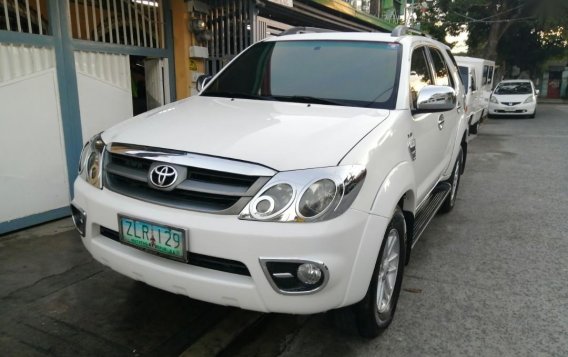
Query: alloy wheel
388	271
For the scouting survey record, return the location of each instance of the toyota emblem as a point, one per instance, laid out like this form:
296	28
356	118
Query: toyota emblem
163	176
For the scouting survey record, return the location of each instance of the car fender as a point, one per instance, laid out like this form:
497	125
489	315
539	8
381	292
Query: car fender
397	184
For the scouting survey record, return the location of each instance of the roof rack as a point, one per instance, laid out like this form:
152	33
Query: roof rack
402	30
303	29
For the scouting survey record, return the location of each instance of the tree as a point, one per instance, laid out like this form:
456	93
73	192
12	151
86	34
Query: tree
487	21
524	47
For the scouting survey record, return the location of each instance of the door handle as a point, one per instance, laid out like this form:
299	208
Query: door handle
441	121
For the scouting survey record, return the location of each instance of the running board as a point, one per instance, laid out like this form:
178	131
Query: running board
429	209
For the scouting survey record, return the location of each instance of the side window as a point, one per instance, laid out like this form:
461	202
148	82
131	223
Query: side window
473	83
490	75
485	75
419	74
441	69
465	77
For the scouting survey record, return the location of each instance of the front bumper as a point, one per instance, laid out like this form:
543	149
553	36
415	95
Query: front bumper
348	246
519	109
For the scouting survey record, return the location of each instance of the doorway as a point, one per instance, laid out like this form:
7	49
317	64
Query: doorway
149	83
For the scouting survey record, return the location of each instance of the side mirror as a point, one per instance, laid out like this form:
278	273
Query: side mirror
202	81
436	99
537	91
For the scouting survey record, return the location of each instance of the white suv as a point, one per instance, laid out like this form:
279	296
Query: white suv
297	181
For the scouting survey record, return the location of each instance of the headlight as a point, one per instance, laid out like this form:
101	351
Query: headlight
317	198
306	195
493	100
529	99
272	202
90	163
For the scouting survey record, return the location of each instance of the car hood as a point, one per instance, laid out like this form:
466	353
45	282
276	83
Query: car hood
280	135
511	98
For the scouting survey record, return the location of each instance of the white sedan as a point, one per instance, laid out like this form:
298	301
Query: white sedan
514	97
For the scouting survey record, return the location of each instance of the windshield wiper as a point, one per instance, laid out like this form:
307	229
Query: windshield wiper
304	99
235	95
280	98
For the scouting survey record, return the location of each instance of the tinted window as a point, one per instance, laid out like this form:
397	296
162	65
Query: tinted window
514	88
490	74
464	76
353	73
419	74
485	78
440	68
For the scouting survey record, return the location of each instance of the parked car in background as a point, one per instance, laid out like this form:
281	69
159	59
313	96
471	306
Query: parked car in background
477	77
514	97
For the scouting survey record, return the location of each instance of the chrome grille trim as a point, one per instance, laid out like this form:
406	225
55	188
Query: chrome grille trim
205	189
191	159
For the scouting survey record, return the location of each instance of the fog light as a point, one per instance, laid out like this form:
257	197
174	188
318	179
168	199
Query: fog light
79	219
309	273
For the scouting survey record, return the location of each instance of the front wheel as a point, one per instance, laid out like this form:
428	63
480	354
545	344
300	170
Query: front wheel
376	311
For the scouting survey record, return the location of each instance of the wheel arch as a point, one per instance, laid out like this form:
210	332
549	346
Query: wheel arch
398	189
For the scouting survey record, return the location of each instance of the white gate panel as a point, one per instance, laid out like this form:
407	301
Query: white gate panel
105	90
33	170
154	73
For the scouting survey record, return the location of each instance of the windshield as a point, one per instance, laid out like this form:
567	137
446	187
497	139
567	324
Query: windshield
514	88
349	73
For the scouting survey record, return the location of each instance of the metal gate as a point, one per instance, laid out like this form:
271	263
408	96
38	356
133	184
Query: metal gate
267	27
67	57
232	26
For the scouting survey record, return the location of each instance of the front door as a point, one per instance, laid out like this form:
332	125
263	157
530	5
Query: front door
425	133
448	126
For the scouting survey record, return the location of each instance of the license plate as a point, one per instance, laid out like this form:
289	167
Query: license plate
155	238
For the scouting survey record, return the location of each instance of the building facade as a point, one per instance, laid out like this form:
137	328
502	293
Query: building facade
72	68
554	84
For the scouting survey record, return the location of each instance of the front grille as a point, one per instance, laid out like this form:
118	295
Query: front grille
203	189
511	111
200	260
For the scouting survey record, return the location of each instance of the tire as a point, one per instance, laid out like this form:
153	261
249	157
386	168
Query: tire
533	115
373	315
454	181
474	129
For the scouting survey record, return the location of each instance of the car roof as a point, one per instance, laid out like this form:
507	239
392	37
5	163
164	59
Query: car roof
353	36
516	81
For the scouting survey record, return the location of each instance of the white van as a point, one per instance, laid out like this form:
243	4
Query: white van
477	78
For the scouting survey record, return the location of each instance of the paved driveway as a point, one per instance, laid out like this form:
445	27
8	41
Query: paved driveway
488	279
57	301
